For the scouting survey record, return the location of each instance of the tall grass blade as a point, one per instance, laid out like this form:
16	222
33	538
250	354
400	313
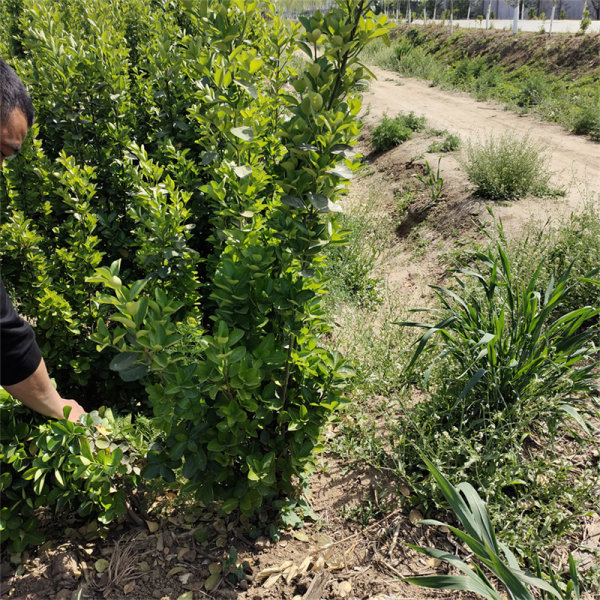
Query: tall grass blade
574	414
455	582
471	383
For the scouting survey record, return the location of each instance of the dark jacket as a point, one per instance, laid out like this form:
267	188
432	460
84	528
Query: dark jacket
19	352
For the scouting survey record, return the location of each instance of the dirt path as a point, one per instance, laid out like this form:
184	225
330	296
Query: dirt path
574	160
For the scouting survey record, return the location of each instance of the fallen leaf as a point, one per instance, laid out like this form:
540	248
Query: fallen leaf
415	516
186	596
404	490
129	587
268	572
194	586
214	568
344	589
290	573
269	583
144	567
272	570
185	578
221	541
322	540
303	568
212	581
101	565
319	564
175	570
152	526
301	536
434	562
219	525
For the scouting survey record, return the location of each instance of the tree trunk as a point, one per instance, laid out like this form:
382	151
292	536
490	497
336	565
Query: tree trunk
552	17
451	16
516	19
487	15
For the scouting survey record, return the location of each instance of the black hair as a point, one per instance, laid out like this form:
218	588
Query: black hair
13	94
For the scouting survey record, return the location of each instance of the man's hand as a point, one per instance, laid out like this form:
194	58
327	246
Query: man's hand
76	409
38	393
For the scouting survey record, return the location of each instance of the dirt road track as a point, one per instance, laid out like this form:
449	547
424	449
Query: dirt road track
575	160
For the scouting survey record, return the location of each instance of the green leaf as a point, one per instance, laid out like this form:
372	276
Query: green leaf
134	373
242	171
230	505
102	444
248	87
293	201
323	204
244	133
343	150
123	361
59	478
471	383
342	171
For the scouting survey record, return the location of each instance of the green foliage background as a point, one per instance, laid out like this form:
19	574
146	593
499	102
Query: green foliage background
173	163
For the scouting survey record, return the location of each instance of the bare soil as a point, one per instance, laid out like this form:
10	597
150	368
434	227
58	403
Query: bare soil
574	160
331	558
346	552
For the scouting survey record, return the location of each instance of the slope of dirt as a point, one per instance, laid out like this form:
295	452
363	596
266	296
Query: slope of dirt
574	161
568	55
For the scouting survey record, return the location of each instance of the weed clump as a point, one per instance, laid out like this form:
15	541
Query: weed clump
533	91
574	243
449	144
393	132
587	120
508	360
507	168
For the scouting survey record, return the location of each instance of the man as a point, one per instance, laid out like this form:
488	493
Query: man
23	372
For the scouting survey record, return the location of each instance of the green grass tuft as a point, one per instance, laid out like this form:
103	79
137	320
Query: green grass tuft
393	132
507	168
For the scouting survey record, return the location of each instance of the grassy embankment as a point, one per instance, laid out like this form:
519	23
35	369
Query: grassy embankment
556	77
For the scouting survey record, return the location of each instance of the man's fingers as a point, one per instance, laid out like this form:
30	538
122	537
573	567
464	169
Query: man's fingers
76	410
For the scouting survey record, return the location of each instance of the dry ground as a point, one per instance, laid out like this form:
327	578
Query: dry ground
574	160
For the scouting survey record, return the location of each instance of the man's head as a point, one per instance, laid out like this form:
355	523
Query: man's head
16	112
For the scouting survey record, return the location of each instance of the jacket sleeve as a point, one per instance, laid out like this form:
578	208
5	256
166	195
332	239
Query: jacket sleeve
20	355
